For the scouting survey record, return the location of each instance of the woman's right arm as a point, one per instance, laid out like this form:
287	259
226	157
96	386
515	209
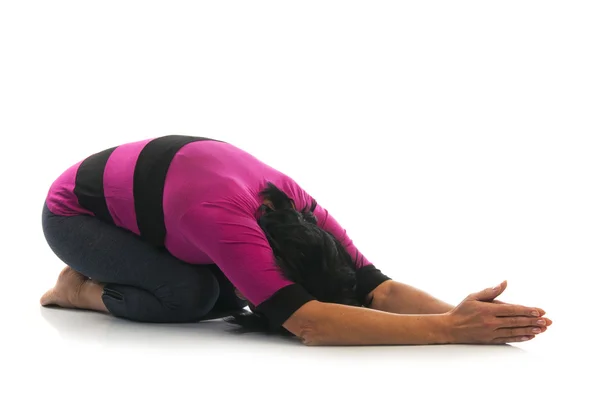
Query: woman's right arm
474	321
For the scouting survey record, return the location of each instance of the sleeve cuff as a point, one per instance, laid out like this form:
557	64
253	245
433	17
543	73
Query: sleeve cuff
281	305
367	279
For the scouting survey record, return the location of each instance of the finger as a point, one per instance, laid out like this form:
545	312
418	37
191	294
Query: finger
514	310
491	293
519	339
519	321
548	323
541	311
516	332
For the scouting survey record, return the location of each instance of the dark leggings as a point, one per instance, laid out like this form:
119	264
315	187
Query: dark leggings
142	283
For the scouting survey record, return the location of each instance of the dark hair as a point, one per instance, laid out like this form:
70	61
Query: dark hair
306	254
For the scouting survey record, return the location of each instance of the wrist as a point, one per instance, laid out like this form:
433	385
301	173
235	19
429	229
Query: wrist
444	328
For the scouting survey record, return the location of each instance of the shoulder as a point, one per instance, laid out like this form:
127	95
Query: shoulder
301	198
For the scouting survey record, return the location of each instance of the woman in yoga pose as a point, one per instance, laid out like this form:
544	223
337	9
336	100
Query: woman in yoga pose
183	229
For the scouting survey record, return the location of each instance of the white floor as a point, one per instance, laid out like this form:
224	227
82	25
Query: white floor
77	353
457	142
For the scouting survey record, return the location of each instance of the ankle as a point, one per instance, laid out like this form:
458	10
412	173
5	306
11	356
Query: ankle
75	294
89	296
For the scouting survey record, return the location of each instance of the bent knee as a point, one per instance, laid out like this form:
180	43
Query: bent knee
191	299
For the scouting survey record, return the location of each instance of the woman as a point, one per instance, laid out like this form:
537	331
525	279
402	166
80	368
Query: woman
181	229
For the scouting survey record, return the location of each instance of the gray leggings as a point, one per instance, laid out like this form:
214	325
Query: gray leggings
142	283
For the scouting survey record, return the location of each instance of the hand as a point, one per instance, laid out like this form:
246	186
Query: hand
480	319
541	311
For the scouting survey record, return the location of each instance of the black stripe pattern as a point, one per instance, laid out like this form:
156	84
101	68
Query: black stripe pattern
149	182
89	185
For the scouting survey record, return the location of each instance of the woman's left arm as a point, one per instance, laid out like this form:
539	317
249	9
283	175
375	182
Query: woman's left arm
400	298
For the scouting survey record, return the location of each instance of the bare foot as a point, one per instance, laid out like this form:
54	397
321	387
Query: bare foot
66	290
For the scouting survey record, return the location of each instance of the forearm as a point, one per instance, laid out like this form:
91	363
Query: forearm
318	323
400	298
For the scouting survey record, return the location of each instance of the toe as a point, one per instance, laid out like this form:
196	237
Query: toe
47	298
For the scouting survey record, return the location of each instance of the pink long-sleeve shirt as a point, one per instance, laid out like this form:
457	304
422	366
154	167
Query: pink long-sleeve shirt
210	203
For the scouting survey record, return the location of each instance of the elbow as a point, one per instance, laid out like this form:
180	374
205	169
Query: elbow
309	337
304	325
379	296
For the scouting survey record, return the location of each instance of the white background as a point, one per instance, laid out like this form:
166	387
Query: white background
456	141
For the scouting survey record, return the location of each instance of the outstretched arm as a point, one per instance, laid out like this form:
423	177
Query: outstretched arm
400	298
476	320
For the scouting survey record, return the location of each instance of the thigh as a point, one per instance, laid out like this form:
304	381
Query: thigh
110	254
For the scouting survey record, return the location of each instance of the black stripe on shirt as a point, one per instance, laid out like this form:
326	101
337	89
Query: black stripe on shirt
149	181
89	185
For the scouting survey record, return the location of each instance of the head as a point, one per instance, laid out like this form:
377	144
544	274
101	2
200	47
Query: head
305	253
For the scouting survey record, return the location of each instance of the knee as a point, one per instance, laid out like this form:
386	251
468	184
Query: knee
190	300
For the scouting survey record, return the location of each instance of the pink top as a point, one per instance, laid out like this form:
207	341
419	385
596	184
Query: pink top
210	202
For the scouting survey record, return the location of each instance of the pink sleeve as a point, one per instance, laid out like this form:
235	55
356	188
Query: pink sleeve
329	224
237	245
